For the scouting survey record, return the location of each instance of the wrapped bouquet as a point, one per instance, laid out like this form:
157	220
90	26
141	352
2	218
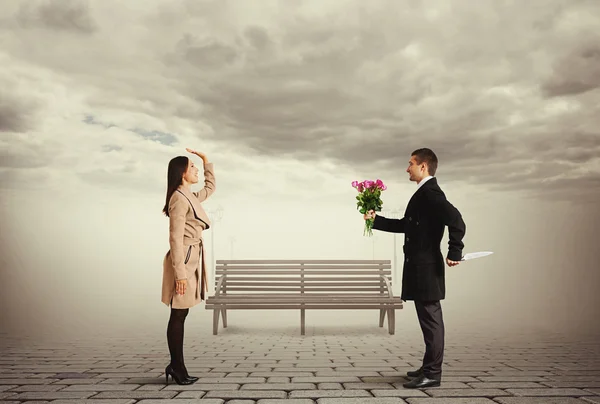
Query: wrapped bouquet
369	197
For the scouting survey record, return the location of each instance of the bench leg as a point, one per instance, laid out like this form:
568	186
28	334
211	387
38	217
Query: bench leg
224	315
302	321
391	321
216	313
381	317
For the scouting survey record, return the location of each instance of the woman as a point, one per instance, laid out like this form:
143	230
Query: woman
182	285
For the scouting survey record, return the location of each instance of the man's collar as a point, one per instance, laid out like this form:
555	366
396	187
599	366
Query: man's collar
424	180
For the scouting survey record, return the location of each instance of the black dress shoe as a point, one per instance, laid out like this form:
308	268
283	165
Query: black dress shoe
415	373
422	381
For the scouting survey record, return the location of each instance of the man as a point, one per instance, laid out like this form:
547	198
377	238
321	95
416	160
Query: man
423	224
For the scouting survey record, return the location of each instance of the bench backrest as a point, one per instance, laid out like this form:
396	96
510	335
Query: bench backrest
314	277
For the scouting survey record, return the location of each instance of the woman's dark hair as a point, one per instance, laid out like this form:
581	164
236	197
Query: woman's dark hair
177	167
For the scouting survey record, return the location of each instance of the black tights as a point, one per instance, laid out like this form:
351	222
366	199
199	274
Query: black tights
175	338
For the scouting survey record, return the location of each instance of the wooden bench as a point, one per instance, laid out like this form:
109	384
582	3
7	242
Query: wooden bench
303	285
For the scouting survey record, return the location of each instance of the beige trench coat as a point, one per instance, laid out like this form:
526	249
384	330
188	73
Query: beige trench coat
187	220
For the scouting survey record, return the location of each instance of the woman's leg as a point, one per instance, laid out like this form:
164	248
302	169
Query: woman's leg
175	338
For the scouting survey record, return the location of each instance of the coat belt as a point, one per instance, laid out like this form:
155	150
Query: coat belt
188	241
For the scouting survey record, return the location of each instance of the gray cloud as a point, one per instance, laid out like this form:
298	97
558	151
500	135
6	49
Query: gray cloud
576	72
60	15
154	135
481	97
17	112
157	136
499	91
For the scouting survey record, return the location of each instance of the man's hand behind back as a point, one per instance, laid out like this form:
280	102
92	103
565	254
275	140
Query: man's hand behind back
452	263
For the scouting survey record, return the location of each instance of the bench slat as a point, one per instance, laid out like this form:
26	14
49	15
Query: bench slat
269	262
307	307
300	299
298	272
306	285
307	279
298	290
336	267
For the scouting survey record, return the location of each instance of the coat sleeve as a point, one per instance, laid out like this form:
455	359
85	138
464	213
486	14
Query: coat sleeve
209	183
389	225
178	208
452	218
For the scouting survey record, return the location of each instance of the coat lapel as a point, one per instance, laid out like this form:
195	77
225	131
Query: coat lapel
196	207
430	183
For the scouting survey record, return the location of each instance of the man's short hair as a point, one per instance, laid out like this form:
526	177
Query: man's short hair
428	157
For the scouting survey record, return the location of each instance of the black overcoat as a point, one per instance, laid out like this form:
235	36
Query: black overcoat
427	214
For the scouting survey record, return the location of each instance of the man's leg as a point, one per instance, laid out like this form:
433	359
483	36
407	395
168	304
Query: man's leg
432	326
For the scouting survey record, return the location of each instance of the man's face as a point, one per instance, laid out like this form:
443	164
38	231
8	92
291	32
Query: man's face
416	172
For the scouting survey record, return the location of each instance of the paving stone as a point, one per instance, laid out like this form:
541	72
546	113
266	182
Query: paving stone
278	379
280	374
77	381
580	384
202	386
25	381
7	395
510	378
234	380
251	394
330	386
51	395
138	395
190	394
93	401
441	392
279	386
399	393
444	385
101	387
505	385
38	387
180	401
314	394
286	401
241	402
338	379
445	400
539	400
365	400
550	392
321	367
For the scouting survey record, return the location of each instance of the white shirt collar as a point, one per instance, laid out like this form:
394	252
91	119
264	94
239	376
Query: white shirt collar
423	181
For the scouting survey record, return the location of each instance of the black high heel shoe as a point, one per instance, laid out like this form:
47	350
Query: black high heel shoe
187	376
178	377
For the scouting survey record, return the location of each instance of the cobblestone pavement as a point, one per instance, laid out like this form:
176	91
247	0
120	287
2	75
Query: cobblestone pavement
329	365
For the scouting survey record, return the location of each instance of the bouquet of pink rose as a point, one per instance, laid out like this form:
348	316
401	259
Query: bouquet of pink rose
369	198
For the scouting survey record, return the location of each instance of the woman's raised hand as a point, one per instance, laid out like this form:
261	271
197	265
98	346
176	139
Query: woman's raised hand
197	153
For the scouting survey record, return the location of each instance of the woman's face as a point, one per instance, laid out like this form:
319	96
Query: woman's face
191	175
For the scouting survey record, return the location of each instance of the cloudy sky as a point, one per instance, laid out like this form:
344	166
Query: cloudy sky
292	101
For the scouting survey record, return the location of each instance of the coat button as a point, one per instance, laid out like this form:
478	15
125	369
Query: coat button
407	260
407	239
417	223
410	218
